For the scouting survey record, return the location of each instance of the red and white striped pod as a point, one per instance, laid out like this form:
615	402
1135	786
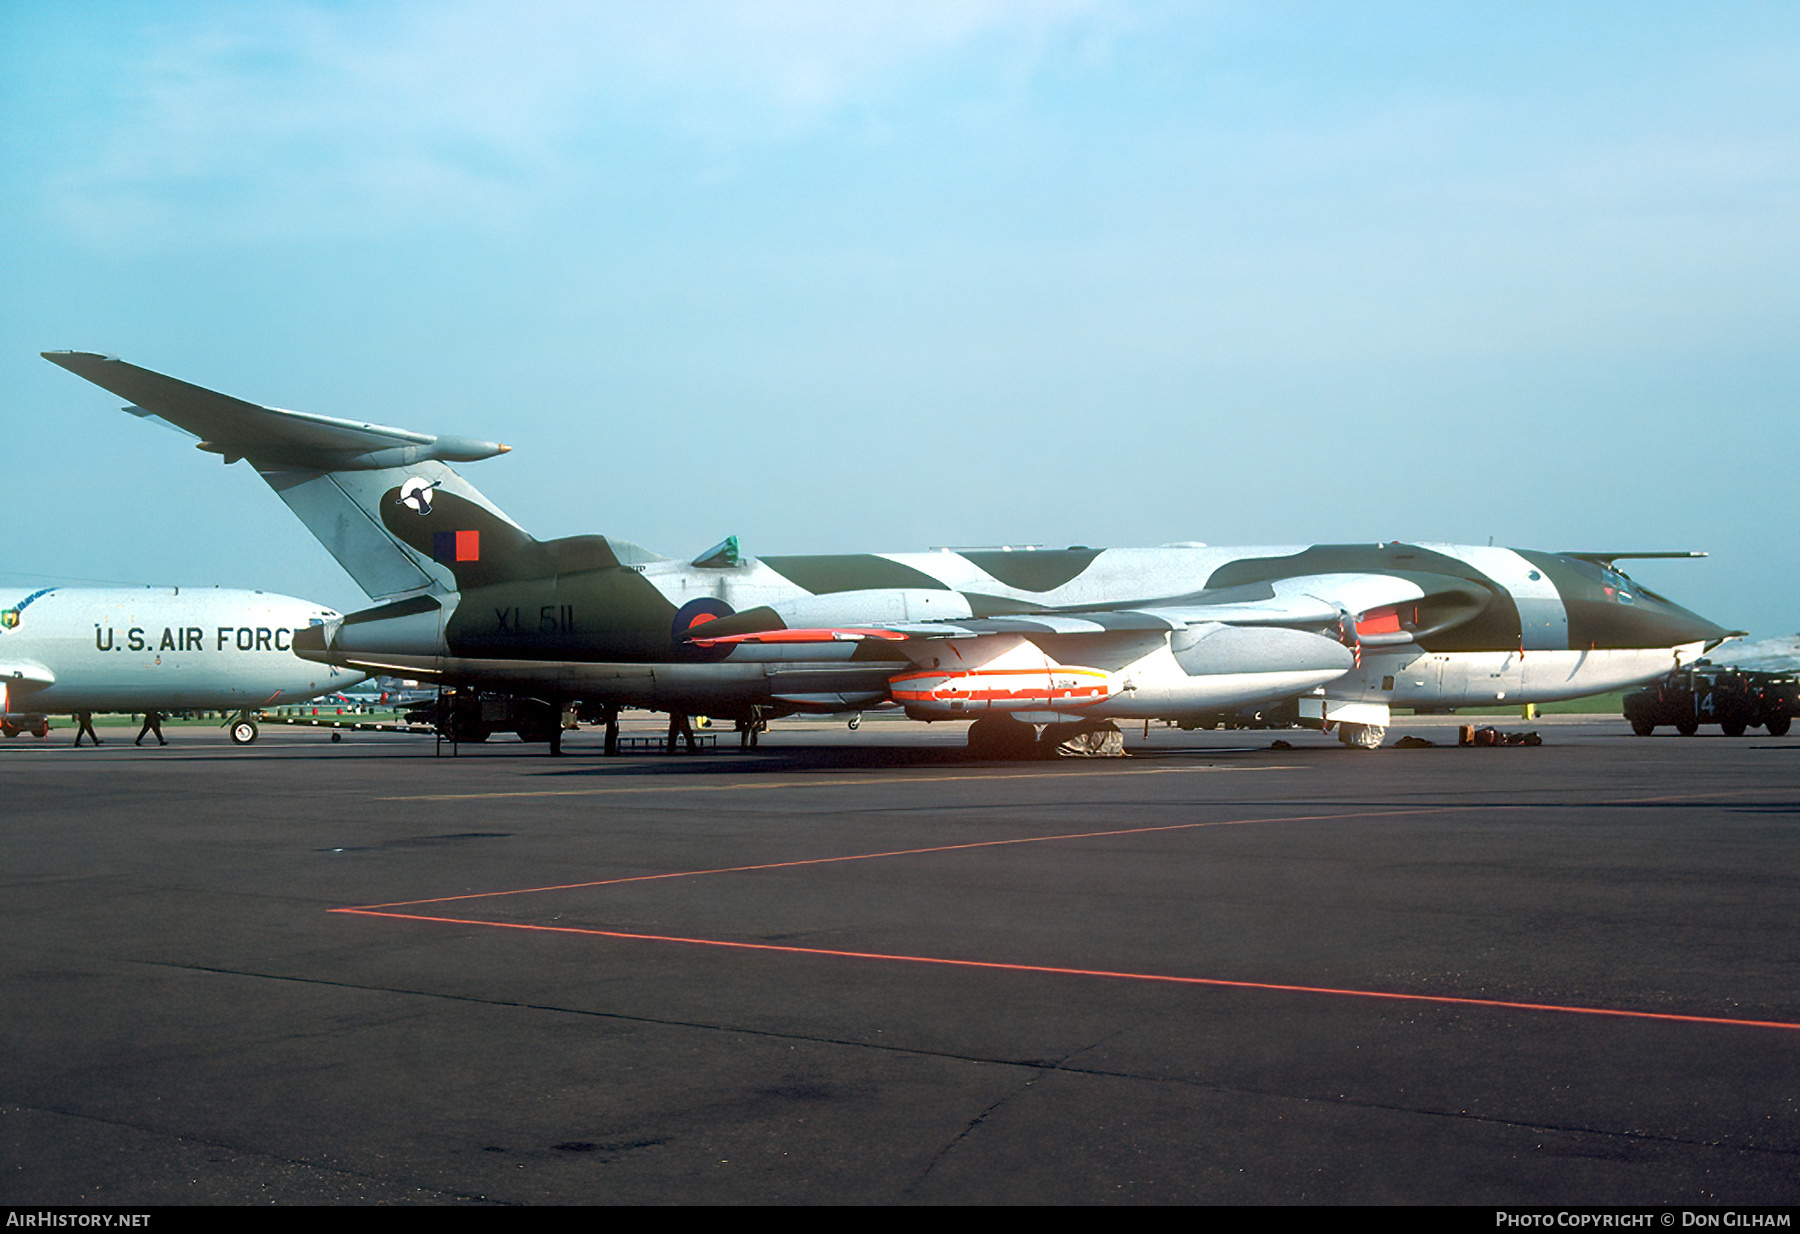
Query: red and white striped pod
952	692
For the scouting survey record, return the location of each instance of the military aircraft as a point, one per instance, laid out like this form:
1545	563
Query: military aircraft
1769	655
1072	639
72	649
387	692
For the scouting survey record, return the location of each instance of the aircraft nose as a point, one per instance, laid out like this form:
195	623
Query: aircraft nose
1681	625
1609	609
1648	620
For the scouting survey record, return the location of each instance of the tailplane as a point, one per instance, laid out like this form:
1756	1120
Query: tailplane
383	501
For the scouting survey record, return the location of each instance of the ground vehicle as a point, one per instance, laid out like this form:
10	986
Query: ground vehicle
1735	700
473	716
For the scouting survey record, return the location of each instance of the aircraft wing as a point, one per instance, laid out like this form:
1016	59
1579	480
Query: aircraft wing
1301	602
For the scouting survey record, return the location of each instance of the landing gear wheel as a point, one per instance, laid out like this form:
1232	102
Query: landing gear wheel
1687	728
1733	728
10	730
243	732
1082	739
1778	727
1643	728
1002	737
1362	736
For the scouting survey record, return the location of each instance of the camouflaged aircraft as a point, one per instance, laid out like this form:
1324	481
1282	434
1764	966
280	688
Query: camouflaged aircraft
1072	639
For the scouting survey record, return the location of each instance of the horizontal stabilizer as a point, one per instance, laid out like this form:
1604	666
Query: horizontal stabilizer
345	479
267	436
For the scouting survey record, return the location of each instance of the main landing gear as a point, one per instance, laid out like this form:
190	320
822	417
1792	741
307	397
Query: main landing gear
1003	738
1362	736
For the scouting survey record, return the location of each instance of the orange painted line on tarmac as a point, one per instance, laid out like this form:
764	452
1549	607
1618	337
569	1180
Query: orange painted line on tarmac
950	848
1215	982
901	852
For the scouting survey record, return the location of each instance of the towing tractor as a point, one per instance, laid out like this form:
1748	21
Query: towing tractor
1733	699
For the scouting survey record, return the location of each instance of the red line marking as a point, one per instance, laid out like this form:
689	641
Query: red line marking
1217	982
899	852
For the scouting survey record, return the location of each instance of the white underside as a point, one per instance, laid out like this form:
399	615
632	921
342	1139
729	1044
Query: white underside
1472	678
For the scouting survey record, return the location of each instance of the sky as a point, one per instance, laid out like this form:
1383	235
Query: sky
882	276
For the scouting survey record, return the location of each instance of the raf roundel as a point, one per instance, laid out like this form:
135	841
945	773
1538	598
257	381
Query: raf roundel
415	495
695	613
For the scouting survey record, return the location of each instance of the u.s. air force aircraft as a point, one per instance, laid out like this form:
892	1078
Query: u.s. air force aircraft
1070	638
73	649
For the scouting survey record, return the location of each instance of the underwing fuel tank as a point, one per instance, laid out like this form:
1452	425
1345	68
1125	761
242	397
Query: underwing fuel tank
1201	667
1210	666
1023	679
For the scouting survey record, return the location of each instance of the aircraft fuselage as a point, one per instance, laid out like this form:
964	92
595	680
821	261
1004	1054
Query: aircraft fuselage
68	649
1471	625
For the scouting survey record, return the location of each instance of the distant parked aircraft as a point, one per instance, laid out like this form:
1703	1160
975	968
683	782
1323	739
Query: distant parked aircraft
72	649
1769	655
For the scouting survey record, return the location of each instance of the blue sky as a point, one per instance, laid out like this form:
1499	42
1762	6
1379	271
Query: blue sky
876	276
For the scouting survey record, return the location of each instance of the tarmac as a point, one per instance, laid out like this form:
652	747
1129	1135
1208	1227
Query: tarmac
859	967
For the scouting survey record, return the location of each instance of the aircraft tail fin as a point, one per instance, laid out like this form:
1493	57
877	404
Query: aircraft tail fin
383	501
447	538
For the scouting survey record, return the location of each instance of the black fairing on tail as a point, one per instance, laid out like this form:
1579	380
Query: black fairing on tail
524	598
481	549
